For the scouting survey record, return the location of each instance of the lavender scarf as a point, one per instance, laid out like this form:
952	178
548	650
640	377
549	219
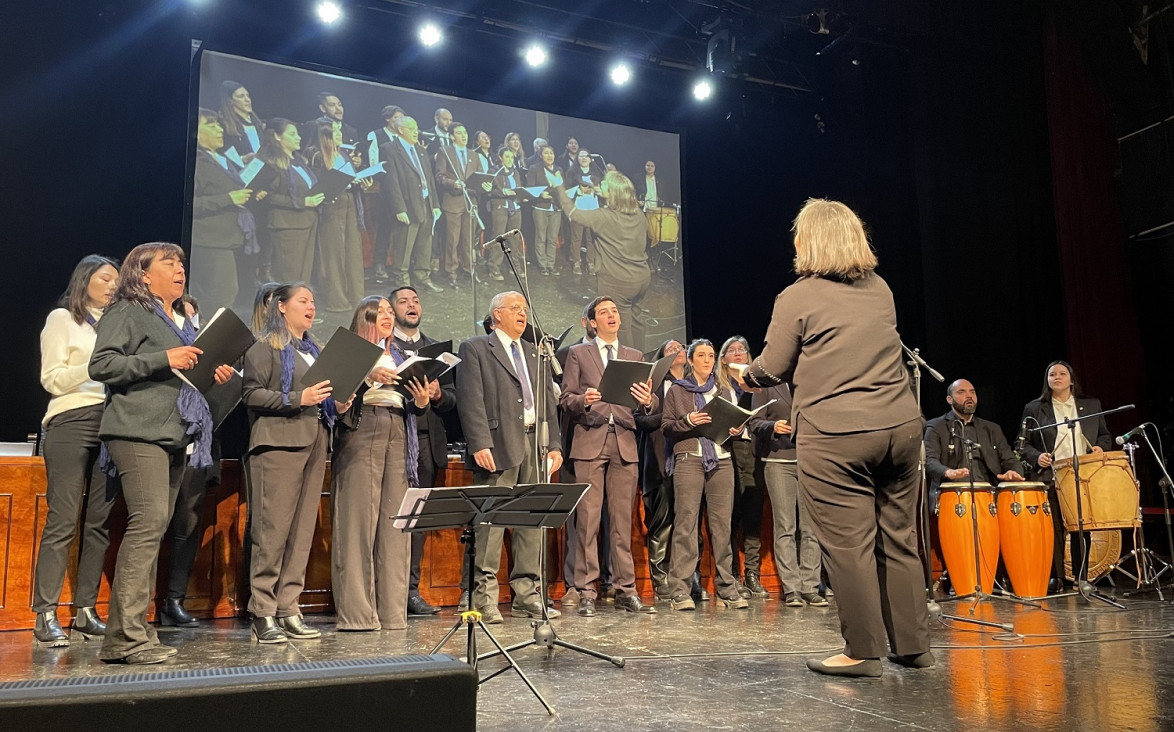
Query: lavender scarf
708	448
412	469
305	345
194	413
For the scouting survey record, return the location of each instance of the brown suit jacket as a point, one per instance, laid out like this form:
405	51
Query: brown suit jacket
452	200
678	404
837	344
281	211
584	370
272	422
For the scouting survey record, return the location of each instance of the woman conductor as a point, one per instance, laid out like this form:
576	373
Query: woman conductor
858	436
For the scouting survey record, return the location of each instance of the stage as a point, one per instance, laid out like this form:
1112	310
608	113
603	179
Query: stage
1078	667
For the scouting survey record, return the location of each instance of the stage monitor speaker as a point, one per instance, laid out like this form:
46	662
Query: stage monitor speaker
400	692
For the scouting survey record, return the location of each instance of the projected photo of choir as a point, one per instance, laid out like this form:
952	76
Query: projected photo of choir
359	188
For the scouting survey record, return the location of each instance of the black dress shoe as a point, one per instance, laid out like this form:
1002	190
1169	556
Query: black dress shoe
158	654
265	630
914	660
463	603
48	632
868	668
295	627
587	607
633	604
419	606
174	614
754	584
88	623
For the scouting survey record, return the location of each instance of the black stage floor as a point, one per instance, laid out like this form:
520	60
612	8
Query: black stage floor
1072	666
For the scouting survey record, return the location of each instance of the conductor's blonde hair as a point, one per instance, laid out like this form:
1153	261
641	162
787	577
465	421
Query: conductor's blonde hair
830	241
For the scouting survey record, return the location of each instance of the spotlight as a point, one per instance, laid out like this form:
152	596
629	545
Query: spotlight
621	74
702	90
535	55
430	34
328	11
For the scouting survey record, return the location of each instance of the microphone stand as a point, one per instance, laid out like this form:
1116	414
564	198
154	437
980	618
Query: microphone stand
1146	579
1163	485
1084	587
544	633
474	216
916	363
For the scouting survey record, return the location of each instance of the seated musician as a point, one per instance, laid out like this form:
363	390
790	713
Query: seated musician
945	451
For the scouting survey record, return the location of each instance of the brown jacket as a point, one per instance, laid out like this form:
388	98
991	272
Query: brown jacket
837	344
584	370
678	404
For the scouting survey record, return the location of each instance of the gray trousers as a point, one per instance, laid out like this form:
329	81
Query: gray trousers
525	544
747	512
411	247
75	482
782	483
626	294
613	482
287	488
370	558
293	253
150	479
690	482
861	492
546	226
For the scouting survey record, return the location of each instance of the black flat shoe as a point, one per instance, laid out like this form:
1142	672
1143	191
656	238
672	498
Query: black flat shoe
868	668
88	623
48	632
914	660
173	614
158	654
265	630
294	627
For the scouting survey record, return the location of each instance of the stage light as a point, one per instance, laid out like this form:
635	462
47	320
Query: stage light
535	55
621	74
328	11
430	34
702	90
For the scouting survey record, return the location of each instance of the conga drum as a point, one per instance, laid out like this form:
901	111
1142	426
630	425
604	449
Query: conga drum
957	506
1026	536
1108	492
663	225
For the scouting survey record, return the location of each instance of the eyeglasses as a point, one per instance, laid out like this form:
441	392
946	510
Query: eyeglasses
516	308
736	350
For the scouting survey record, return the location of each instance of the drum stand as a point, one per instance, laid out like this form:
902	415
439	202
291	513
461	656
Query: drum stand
916	363
978	594
1080	571
1146	579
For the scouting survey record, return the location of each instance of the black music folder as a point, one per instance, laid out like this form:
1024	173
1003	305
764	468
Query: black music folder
345	361
223	340
331	184
616	384
223	398
726	415
423	368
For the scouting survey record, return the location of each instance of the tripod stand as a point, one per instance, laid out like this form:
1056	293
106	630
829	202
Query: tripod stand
1080	572
1146	579
544	633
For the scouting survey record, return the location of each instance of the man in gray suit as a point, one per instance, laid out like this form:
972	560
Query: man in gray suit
604	450
497	390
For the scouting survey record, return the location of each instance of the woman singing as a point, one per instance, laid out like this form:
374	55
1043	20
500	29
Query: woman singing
151	417
747	511
504	212
833	335
71	449
340	245
288	442
698	467
242	127
374	463
546	215
1061	399
291	216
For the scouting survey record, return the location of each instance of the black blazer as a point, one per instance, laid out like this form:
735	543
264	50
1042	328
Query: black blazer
767	444
1039	412
945	452
433	422
401	187
215	218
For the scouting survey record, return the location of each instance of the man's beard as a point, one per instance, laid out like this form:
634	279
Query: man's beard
402	323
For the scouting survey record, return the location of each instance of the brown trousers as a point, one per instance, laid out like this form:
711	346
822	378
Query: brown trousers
369	557
614	481
860	490
287	487
690	482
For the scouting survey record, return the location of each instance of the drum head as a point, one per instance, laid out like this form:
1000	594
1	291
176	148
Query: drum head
1102	555
964	486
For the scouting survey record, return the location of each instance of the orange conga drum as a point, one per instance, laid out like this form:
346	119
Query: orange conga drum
1025	536
956	532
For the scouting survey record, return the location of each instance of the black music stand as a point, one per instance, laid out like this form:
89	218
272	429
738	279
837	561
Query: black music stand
1083	586
518	506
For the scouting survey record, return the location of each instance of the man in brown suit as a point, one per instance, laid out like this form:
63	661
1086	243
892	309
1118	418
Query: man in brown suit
604	451
410	193
454	165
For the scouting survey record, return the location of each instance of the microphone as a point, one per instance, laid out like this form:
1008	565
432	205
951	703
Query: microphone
1022	436
1129	435
499	239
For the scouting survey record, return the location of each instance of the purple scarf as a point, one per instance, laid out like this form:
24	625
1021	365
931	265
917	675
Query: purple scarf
244	217
708	448
412	469
194	413
329	412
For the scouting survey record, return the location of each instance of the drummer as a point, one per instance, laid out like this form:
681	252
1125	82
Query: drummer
1061	399
945	452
